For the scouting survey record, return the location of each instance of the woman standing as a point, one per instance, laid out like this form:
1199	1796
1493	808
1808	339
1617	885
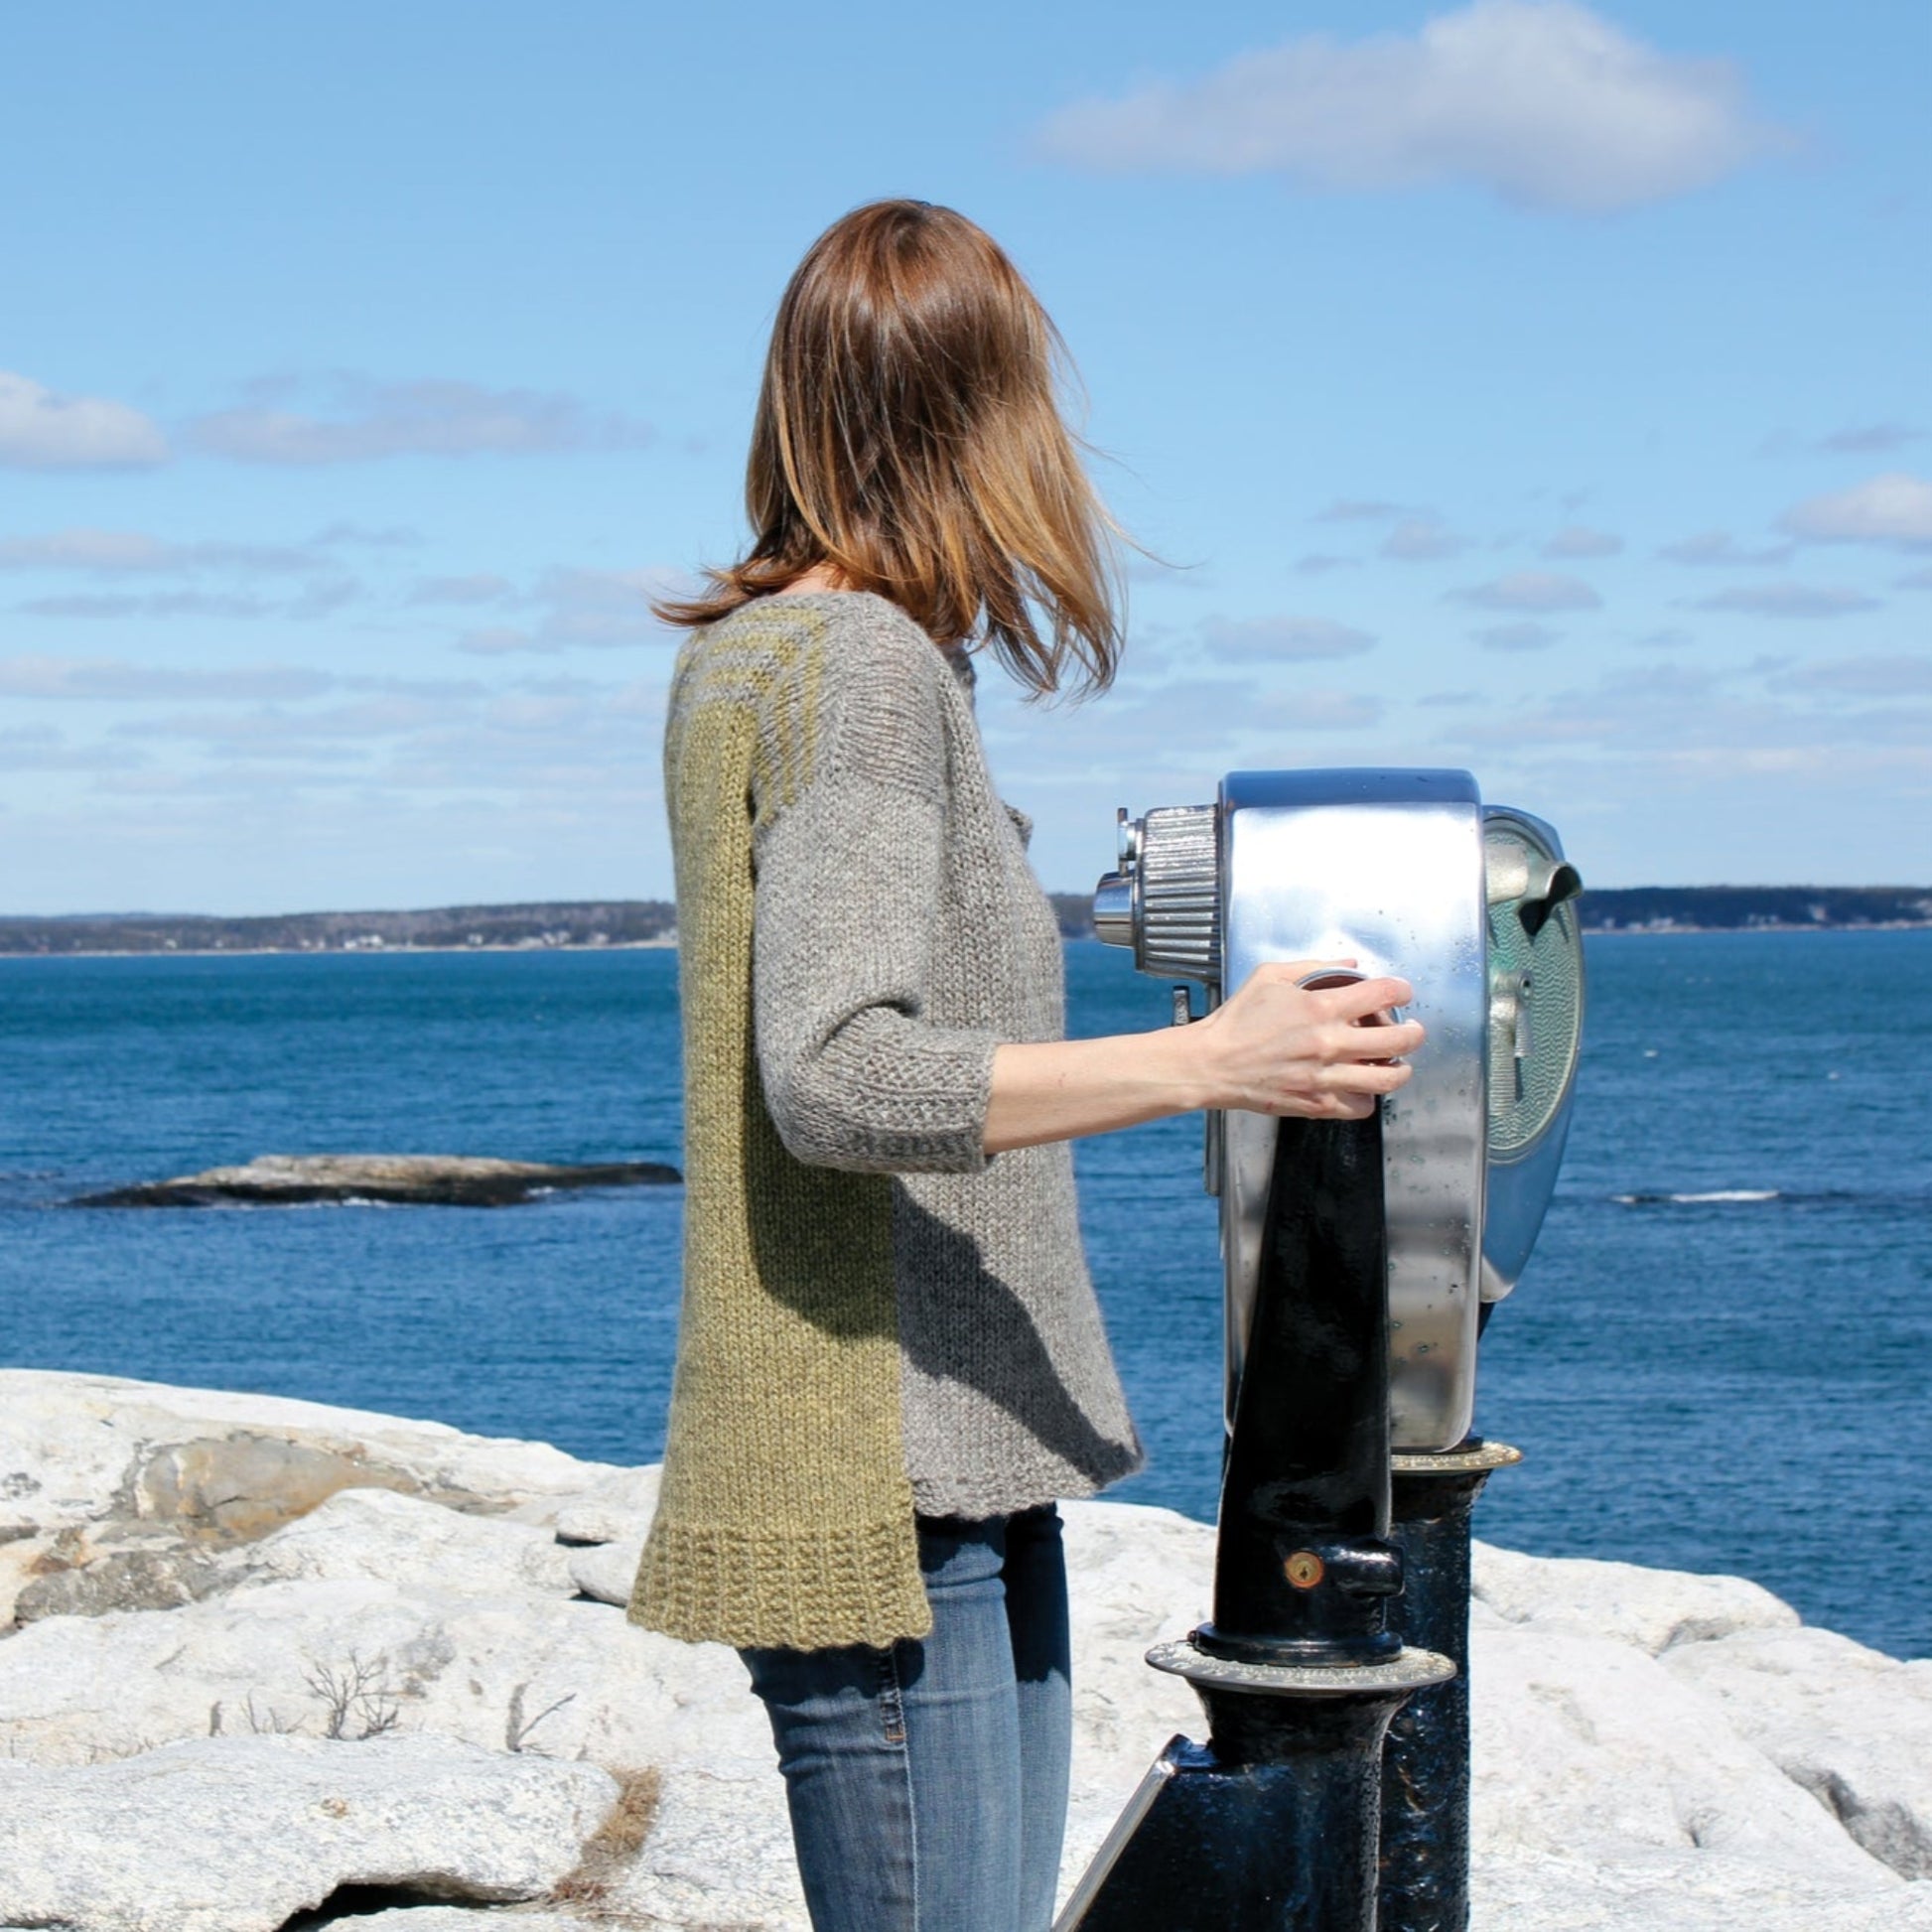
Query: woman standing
890	1362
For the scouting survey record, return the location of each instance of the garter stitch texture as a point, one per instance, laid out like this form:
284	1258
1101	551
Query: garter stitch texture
877	1320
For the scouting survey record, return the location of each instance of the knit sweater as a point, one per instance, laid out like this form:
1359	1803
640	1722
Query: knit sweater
879	1319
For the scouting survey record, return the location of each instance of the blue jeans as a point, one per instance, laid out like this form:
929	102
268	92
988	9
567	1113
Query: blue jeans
928	1782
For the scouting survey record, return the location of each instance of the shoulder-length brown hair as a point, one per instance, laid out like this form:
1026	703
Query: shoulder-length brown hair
909	437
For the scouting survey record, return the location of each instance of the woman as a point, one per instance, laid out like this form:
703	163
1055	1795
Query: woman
891	1363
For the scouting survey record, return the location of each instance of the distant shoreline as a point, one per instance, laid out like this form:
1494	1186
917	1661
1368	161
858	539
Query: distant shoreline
671	945
620	926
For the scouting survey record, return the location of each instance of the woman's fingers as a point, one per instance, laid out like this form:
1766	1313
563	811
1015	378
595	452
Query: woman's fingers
1359	1042
1361	998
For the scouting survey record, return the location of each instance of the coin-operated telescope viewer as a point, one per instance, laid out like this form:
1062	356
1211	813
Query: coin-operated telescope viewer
1360	1257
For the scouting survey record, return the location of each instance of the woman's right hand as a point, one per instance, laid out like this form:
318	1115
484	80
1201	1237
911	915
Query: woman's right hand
1278	1047
1275	1047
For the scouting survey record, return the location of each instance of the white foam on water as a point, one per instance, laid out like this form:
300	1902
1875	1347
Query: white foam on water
1717	1195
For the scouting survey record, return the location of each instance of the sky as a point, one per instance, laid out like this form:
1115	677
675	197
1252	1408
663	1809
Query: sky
1519	387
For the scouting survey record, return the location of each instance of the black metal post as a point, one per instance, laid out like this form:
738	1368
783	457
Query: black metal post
1273	1825
1425	1856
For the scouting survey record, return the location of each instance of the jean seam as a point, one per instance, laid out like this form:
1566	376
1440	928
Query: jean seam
893	1692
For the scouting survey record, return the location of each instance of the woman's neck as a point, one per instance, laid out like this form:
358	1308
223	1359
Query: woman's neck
821	576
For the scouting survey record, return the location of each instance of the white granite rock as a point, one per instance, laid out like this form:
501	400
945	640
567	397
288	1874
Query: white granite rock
454	1918
235	1835
1585	1747
74	1448
412	1544
1652	1608
1692	1891
1852	1725
606	1570
554	1674
618	1509
1653	1749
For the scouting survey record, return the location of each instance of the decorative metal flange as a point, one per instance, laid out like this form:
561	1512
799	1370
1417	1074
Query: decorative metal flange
1407	1670
1467	1458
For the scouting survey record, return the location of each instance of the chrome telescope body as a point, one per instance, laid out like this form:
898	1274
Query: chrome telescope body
1407	872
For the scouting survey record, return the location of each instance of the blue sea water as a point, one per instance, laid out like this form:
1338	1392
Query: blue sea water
1720	1359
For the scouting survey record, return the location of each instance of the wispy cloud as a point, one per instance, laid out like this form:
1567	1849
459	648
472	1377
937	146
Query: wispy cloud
603	608
1865	677
1543	101
1516	636
321	599
115	680
113	553
1531	589
41	430
1577	541
1281	639
159	604
358	419
1895	509
1361	509
1869	439
1422	540
1789	600
1719	549
484	587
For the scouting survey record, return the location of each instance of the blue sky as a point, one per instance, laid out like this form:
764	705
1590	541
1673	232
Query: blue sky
1517	385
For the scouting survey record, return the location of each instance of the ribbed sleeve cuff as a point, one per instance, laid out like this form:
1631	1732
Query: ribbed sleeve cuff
799	1589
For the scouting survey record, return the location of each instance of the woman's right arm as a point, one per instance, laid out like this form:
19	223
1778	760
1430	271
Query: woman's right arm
1275	1047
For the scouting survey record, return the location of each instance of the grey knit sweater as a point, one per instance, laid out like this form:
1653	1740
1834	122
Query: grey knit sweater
896	935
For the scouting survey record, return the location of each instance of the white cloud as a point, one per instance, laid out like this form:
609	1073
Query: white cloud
39	430
163	603
1516	636
1279	639
251	730
1532	589
1869	439
1544	101
600	608
1577	541
364	419
1420	539
1721	549
1355	510
114	680
1868	677
1789	600
114	552
484	587
1893	509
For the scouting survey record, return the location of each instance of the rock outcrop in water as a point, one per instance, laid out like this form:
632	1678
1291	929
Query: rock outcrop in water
414	1180
309	1658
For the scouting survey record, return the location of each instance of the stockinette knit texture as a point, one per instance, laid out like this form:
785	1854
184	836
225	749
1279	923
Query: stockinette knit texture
879	1319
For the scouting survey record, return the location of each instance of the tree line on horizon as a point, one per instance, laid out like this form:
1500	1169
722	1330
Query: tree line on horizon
594	923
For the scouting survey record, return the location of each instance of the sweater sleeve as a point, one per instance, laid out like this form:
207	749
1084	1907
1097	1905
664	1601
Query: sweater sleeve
849	861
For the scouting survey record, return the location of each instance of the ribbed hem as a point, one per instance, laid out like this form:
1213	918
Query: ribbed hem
802	1590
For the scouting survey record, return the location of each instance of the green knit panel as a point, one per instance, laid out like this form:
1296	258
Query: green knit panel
785	1516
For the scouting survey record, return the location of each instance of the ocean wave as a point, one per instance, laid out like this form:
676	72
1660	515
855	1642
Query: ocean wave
1697	1200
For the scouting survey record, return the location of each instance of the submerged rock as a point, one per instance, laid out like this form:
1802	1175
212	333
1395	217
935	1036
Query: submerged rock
401	1180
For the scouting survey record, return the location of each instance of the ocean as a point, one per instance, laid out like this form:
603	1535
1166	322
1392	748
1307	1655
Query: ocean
1720	1359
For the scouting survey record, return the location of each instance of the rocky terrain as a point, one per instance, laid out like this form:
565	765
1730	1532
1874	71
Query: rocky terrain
273	1665
415	1179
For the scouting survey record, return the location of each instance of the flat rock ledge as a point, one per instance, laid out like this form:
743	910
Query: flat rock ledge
280	1667
391	1180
